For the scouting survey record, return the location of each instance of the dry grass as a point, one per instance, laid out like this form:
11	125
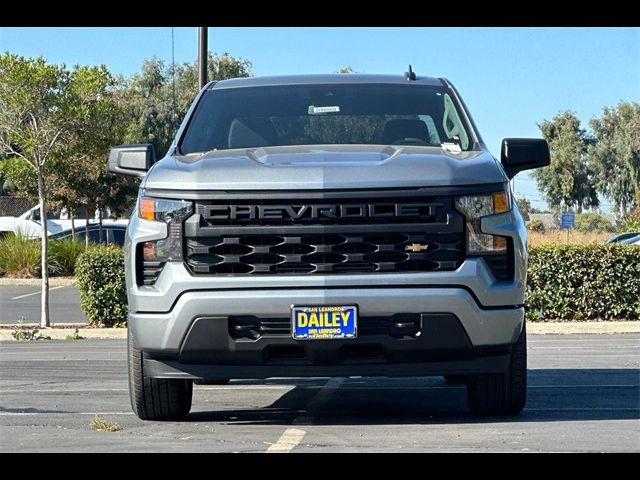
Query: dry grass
560	236
100	425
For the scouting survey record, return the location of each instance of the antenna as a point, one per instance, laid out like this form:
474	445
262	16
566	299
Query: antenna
411	76
173	78
202	56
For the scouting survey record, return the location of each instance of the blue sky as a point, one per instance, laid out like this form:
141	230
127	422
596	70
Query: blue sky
510	78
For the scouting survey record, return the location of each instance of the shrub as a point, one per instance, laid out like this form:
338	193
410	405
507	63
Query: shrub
631	225
27	334
536	226
631	221
65	253
100	279
593	222
20	257
583	282
75	335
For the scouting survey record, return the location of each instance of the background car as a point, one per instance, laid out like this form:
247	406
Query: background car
622	236
631	241
112	233
29	225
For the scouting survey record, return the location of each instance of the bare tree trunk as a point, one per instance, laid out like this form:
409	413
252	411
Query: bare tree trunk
72	215
44	240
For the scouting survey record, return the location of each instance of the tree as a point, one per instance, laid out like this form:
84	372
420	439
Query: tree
100	124
76	176
34	123
593	222
6	185
158	97
524	206
615	158
631	221
568	181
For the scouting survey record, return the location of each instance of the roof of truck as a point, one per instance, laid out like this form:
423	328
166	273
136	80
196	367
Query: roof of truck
336	78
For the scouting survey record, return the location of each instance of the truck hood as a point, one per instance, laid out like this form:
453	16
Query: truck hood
324	167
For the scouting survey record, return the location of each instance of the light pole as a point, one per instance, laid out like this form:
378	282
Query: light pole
202	56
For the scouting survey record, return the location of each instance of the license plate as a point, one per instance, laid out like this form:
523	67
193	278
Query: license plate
324	322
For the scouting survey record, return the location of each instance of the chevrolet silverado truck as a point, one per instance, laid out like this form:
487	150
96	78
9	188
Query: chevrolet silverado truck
326	225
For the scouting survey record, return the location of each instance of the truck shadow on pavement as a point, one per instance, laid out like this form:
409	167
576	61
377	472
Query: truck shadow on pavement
553	395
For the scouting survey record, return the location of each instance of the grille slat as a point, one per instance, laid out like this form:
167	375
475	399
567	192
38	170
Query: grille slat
151	271
380	241
327	258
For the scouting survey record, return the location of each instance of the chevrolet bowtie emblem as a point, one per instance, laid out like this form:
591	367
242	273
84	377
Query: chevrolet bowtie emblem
416	247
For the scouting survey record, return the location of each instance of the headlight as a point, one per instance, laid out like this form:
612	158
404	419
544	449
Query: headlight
171	212
474	207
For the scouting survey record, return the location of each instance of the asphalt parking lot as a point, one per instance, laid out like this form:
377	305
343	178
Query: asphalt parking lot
584	395
23	302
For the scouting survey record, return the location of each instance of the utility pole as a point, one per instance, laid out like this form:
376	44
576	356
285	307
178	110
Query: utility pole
202	56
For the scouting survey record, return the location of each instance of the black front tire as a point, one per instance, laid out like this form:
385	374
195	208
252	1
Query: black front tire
501	394
155	398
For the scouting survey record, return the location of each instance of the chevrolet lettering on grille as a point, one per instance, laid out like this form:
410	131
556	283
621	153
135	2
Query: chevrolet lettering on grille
316	212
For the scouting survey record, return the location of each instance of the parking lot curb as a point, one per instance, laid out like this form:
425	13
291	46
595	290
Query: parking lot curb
549	328
569	328
36	282
58	333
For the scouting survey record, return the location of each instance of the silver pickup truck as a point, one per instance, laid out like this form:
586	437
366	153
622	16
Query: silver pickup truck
326	225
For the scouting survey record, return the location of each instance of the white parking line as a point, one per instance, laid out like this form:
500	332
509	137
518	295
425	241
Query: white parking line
292	437
559	347
289	440
36	293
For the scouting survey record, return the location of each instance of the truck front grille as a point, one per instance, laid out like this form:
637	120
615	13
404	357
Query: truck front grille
360	234
329	253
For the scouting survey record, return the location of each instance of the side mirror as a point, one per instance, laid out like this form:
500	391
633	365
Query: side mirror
134	160
518	154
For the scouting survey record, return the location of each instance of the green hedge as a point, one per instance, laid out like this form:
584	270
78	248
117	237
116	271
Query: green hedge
572	282
100	279
583	282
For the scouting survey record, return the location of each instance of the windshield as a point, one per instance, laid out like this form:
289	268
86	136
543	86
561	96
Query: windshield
252	117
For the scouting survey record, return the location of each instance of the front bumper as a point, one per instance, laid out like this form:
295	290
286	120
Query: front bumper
165	332
456	335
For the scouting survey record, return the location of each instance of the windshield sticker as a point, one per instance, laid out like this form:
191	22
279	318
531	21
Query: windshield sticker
316	110
451	147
